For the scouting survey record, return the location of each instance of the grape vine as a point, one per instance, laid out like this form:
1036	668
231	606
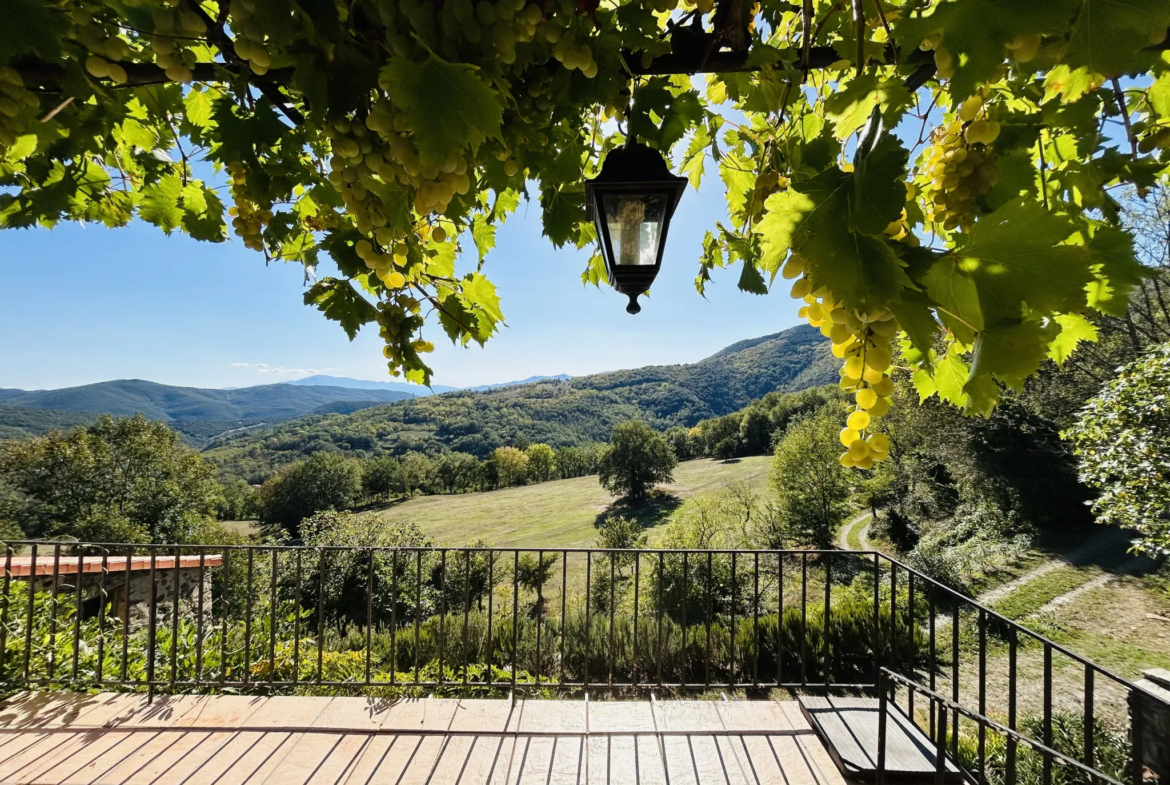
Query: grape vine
935	176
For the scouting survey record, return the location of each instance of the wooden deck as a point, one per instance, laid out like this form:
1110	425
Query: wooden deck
228	739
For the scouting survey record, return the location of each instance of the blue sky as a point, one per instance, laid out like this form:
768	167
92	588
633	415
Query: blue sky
82	304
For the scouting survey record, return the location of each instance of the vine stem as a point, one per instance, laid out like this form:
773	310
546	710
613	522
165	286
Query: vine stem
1119	96
1043	168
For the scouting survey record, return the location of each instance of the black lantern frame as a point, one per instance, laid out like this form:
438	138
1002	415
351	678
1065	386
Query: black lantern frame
634	171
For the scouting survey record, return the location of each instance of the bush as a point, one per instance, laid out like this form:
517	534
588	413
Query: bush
1111	752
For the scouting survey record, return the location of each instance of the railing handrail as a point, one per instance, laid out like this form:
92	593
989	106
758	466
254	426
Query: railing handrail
935	697
514	549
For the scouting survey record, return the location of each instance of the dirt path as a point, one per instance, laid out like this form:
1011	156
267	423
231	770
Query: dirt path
862	535
1098	546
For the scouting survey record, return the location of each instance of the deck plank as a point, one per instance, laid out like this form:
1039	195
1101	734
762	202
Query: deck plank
121	739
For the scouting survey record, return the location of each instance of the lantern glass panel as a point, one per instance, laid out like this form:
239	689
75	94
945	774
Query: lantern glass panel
635	226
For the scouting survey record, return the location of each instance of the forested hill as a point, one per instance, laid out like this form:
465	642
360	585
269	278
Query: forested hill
198	413
561	413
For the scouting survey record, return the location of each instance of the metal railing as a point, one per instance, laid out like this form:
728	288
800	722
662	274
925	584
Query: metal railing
273	619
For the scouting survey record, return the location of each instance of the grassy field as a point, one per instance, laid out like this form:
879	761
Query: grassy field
562	512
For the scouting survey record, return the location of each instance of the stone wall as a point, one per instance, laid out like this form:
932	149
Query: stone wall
139	593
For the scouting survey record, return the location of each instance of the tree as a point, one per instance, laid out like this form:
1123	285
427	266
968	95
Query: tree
542	462
576	461
241	502
511	466
811	486
755	432
637	459
415	471
385	156
455	471
680	443
118	480
1122	443
381	476
327	481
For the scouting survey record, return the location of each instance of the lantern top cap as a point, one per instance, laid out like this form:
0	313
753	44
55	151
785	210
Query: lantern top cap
637	163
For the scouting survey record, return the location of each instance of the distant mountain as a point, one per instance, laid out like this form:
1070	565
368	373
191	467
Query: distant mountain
199	413
560	411
416	390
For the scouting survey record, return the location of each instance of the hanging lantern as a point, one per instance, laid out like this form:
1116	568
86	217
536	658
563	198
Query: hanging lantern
631	202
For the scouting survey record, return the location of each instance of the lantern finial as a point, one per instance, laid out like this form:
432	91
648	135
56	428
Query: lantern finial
633	306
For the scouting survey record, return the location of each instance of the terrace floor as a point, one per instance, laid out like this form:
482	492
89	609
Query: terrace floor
196	739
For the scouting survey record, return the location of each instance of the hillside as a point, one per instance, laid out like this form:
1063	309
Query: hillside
561	513
199	413
17	422
572	412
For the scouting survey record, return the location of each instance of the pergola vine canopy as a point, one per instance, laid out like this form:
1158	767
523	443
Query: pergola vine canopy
391	135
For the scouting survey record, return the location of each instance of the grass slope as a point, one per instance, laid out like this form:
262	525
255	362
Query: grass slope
561	513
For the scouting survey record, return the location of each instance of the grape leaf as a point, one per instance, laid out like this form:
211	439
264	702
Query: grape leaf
1116	270
750	280
160	203
480	295
1008	353
339	301
1012	257
950	374
30	26
914	315
976	31
1074	328
483	234
879	190
816	217
448	105
1107	35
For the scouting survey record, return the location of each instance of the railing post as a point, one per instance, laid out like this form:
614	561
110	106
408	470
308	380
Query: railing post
940	752
1137	732
882	709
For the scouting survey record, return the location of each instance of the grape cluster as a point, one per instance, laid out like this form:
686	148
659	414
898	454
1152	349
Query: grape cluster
384	263
399	315
249	37
107	50
174	33
249	218
1021	49
18	106
961	167
864	340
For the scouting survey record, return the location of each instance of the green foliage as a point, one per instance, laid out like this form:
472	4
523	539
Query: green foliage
241	502
327	481
1122	443
456	471
511	466
112	112
414	472
127	480
812	488
1111	752
637	459
542	462
381	477
577	461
